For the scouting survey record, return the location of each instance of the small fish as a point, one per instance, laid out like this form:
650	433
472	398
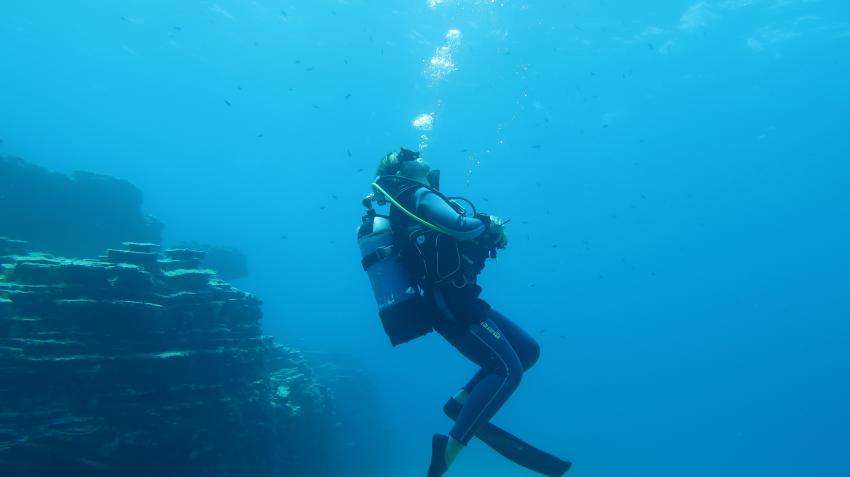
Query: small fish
345	61
464	151
359	170
239	87
260	135
643	196
297	62
542	330
524	222
177	28
290	89
123	18
321	207
347	95
316	106
333	197
536	146
348	151
283	13
554	245
485	199
1	142
563	337
309	68
604	126
283	237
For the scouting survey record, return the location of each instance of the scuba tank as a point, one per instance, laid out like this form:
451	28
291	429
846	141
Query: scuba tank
405	314
402	309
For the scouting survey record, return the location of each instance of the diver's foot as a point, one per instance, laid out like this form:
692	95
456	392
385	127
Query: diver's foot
438	456
452	408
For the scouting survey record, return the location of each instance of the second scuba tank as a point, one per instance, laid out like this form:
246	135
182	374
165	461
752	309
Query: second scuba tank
400	305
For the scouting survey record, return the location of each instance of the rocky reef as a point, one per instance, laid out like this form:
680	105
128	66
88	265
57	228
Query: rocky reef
229	262
76	216
140	363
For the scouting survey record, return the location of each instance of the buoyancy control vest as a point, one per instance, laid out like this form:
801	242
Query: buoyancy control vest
403	255
434	257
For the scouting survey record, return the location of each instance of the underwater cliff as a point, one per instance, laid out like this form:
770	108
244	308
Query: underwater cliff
140	363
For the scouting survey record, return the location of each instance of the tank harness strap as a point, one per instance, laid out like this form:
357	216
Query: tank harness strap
378	255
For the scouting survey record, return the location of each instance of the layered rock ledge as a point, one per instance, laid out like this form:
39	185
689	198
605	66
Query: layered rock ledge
140	364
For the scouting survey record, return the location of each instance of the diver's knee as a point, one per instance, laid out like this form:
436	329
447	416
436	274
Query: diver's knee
531	355
514	379
510	371
514	376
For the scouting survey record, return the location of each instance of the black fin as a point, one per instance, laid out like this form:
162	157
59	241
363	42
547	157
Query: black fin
513	447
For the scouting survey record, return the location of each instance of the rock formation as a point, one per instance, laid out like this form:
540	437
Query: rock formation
139	363
76	216
230	263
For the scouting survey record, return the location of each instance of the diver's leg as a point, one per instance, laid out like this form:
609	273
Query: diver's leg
484	344
503	442
526	347
500	374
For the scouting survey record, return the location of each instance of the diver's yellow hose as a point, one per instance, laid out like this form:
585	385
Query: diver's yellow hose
407	212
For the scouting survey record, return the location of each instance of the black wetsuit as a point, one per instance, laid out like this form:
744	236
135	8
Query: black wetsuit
501	348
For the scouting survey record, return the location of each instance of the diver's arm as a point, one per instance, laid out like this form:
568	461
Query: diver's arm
432	208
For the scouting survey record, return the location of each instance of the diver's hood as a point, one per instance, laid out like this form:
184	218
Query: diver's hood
434	179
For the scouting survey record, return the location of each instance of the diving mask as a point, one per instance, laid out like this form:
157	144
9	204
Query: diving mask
406	155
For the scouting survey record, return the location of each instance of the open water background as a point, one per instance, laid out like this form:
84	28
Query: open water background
677	174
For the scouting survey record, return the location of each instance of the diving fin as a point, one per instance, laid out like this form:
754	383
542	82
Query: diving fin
513	447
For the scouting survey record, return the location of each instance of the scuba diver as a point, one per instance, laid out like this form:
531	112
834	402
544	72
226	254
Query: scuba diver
423	260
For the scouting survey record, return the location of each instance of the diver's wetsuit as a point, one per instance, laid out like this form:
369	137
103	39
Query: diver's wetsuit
488	338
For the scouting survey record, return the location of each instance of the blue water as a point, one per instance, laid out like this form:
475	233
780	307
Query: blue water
677	174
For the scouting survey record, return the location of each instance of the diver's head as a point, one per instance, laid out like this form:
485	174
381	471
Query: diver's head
405	163
412	166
